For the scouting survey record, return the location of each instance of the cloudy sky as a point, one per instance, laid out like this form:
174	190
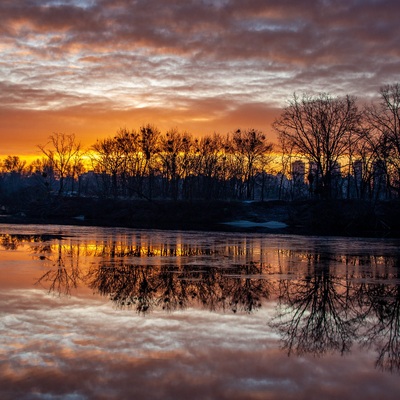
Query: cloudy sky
89	67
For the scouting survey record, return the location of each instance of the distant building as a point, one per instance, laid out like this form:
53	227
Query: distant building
336	181
336	169
298	171
298	175
358	171
313	177
379	179
328	183
89	183
314	172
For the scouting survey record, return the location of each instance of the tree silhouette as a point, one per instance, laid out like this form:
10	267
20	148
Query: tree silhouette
108	161
252	151
384	121
13	164
321	129
174	151
330	133
149	137
64	154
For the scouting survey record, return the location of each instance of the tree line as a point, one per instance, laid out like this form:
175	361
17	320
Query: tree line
148	164
329	147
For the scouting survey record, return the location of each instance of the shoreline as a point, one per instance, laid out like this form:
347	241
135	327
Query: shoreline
308	217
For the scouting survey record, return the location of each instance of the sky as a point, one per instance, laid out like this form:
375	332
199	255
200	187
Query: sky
90	67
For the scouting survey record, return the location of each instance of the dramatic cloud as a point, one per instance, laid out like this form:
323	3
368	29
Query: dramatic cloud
80	348
196	65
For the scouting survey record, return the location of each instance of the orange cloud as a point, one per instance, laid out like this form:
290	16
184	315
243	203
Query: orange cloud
23	130
90	66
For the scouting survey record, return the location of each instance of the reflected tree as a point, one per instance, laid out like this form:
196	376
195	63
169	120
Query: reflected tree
382	327
239	288
65	273
10	242
317	313
203	286
246	287
172	294
126	285
325	304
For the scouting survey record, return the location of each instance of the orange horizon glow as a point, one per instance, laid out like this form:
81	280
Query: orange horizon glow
89	68
23	141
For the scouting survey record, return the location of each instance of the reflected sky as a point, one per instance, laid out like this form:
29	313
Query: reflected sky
80	344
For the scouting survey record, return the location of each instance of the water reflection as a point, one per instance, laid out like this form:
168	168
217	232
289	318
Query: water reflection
64	273
171	287
318	312
341	300
324	300
14	241
382	304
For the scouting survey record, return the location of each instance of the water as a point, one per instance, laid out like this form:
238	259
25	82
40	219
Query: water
95	313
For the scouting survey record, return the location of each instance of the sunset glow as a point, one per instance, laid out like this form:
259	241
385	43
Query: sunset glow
89	67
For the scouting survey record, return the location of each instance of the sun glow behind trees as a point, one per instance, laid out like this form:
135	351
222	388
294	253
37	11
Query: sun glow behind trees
322	131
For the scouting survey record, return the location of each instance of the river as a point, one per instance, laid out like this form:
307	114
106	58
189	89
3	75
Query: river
110	313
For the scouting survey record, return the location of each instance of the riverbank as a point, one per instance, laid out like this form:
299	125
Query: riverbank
335	217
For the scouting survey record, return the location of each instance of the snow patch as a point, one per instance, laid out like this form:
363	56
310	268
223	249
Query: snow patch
250	224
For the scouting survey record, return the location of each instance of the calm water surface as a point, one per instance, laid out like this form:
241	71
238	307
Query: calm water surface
95	313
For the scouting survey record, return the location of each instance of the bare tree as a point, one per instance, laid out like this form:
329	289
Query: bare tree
13	172
174	149
130	171
210	164
321	129
149	136
13	164
108	160
63	152
251	149
384	122
364	158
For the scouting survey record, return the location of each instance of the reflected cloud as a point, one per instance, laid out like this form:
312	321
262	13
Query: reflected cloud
89	351
327	302
324	301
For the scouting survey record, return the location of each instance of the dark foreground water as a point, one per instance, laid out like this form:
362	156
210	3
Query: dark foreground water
93	313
